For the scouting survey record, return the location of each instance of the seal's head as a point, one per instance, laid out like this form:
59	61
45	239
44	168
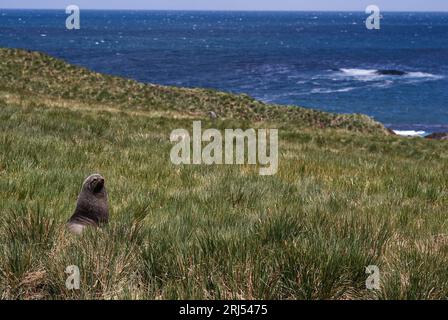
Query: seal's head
94	183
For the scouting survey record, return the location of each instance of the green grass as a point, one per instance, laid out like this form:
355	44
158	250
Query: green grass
346	195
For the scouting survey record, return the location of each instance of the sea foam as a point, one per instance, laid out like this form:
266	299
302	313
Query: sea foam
410	133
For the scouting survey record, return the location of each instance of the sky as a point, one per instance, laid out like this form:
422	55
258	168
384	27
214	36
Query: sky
284	5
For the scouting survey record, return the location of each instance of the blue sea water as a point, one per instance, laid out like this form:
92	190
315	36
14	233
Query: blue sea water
323	60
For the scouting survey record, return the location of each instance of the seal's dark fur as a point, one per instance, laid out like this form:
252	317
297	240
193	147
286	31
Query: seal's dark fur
92	208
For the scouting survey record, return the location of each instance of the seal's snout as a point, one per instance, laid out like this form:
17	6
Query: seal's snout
99	184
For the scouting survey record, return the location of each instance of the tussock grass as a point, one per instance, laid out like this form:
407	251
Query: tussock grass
342	200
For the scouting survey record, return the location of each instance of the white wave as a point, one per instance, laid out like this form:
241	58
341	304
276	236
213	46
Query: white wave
359	72
422	75
384	84
374	72
371	75
364	75
321	90
410	133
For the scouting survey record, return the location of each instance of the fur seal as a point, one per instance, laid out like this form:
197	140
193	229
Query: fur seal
92	208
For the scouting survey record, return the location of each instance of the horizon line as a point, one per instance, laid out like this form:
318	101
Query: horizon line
230	10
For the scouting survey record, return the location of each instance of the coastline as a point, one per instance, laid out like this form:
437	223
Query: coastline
54	77
316	118
436	132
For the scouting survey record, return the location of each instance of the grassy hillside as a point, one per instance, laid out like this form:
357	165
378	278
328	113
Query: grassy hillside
32	73
347	195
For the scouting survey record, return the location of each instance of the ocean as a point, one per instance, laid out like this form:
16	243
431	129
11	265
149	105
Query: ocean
323	60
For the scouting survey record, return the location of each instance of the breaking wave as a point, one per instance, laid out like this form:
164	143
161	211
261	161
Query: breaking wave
375	74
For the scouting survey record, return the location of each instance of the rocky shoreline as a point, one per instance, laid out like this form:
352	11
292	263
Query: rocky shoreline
432	136
437	136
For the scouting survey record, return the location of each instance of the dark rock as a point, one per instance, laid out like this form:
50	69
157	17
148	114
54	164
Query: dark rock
391	132
438	136
391	72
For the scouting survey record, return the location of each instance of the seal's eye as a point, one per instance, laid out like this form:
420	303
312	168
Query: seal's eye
93	182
